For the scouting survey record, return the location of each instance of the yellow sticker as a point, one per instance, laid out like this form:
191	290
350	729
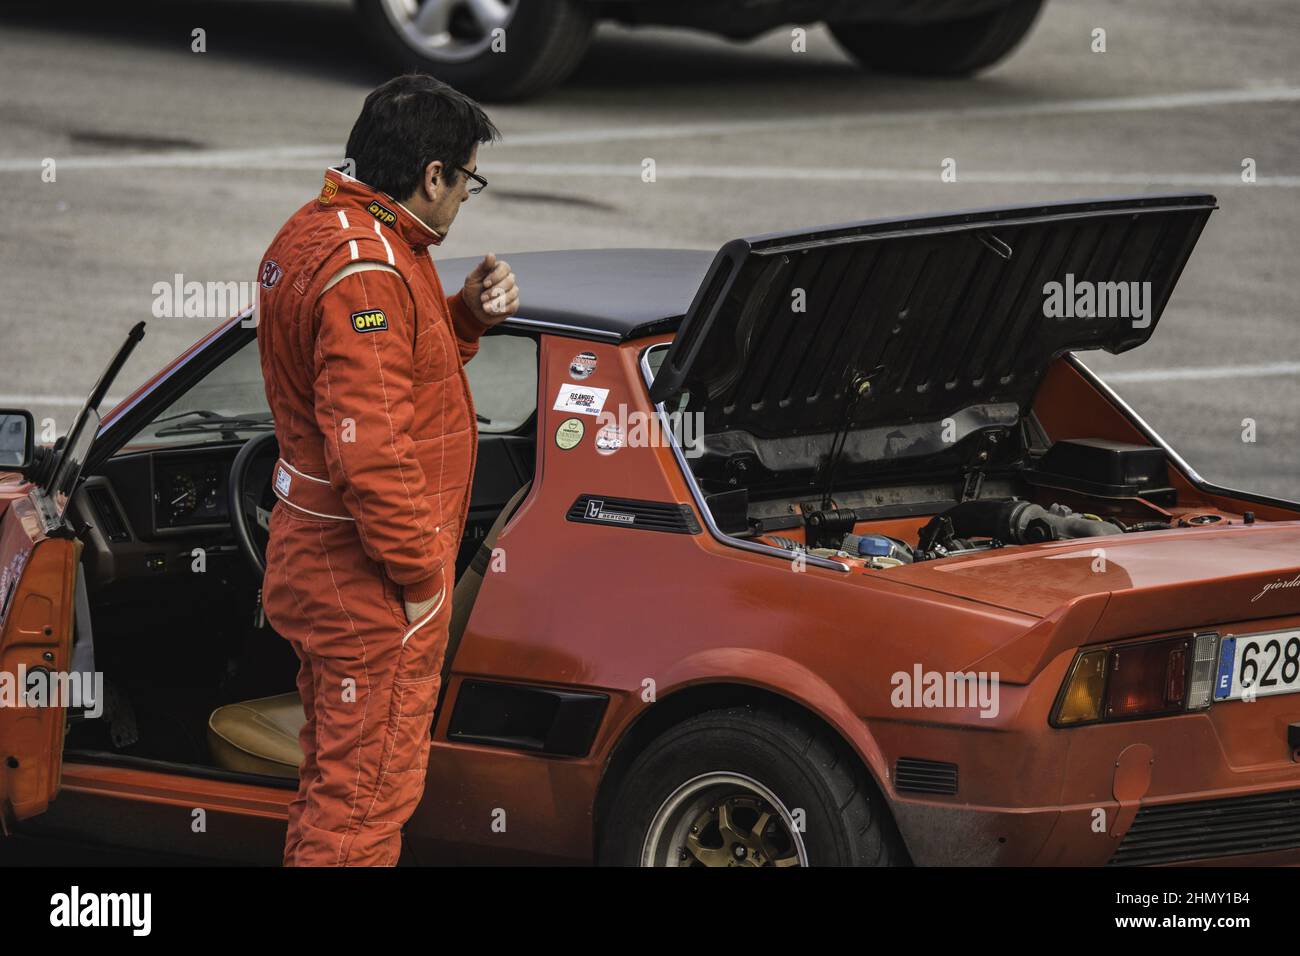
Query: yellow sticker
569	433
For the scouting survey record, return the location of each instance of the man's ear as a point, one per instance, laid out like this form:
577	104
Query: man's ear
432	180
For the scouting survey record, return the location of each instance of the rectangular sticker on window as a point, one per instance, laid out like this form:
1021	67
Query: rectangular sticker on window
582	399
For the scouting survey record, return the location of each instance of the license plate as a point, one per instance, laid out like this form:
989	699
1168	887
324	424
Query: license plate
1259	665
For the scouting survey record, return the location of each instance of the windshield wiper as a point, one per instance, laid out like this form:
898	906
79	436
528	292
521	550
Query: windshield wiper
206	413
212	422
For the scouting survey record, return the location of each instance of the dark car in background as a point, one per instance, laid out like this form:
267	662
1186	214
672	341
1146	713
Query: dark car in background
509	49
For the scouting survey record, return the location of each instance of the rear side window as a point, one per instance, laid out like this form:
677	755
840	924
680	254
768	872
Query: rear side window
503	381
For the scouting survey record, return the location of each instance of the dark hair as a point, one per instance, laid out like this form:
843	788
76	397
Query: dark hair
408	123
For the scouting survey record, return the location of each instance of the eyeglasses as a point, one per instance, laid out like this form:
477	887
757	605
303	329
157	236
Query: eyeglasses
482	183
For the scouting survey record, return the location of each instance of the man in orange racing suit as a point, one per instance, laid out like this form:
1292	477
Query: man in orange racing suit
362	355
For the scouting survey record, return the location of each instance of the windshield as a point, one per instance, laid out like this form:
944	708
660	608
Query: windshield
228	403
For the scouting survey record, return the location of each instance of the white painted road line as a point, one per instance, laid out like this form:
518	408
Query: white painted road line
64	401
669	171
271	158
27	401
1113	104
293	157
1185	374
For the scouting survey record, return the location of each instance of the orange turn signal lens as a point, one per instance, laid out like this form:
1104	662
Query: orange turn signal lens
1082	700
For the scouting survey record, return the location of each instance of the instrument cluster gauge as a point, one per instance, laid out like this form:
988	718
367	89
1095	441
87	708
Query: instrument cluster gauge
209	489
181	495
190	493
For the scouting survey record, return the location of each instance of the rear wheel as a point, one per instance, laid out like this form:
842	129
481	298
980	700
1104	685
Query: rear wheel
748	787
489	49
945	48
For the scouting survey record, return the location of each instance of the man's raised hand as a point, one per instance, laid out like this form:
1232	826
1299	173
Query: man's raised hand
490	291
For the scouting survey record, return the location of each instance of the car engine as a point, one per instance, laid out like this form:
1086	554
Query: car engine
968	527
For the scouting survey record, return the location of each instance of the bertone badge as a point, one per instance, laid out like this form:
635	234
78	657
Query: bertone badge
596	511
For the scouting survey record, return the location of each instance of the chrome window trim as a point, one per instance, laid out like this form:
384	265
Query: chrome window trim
698	494
559	328
1147	431
1151	435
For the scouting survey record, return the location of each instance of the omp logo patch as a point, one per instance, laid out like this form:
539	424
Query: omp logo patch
381	212
327	192
372	321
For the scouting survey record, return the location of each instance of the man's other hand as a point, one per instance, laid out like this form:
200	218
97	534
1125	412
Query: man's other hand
415	610
490	291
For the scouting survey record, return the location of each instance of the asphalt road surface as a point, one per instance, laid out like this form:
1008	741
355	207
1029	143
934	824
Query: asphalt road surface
173	162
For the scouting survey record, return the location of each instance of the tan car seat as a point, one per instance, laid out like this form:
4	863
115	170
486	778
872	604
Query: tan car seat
261	736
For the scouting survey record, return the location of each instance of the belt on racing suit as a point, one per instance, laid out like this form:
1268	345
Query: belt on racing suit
307	493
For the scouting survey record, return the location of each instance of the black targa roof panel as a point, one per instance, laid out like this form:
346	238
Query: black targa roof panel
936	313
611	294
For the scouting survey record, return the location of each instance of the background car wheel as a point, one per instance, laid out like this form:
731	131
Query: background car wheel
452	40
725	788
946	48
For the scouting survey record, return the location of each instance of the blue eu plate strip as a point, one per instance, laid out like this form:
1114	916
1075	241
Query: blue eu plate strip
1227	661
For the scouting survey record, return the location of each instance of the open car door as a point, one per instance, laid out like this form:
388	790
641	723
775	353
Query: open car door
37	588
39	559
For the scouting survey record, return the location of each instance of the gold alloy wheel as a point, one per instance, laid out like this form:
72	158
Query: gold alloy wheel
723	819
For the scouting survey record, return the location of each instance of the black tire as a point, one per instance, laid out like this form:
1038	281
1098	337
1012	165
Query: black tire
945	48
545	41
846	823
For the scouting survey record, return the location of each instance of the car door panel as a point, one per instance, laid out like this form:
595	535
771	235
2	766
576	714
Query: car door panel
36	615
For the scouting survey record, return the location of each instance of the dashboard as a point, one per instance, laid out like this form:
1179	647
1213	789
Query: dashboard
150	509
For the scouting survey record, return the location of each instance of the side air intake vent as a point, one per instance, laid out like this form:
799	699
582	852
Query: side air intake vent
915	775
111	522
630	513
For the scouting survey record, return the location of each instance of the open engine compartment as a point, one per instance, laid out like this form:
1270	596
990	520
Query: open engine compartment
1028	494
905	390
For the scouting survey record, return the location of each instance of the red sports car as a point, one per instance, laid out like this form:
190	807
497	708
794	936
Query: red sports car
825	549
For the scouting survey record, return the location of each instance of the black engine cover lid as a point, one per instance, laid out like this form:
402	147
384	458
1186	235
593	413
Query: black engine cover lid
934	313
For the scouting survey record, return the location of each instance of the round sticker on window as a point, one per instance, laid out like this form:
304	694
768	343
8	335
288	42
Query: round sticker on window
569	433
583	364
610	439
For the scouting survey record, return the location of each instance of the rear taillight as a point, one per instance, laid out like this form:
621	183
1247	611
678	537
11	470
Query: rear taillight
1127	681
1146	679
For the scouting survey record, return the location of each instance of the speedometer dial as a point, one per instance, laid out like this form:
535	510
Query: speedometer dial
182	496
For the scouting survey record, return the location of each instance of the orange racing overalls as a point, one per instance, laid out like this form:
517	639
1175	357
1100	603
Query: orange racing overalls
362	356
